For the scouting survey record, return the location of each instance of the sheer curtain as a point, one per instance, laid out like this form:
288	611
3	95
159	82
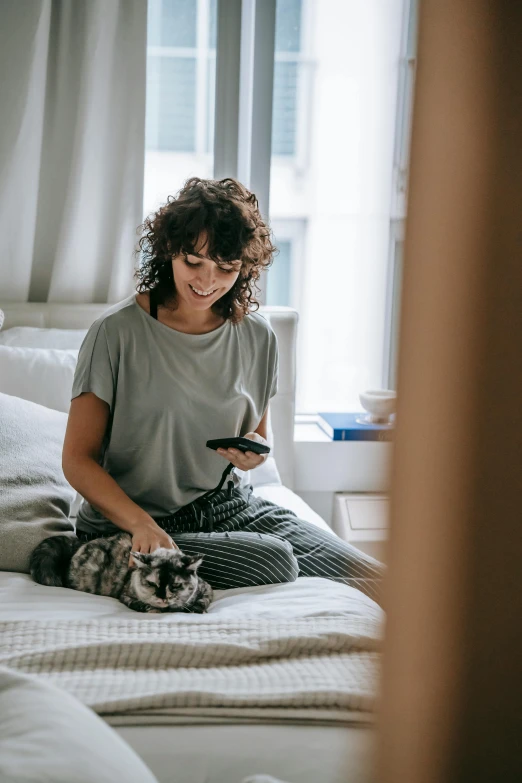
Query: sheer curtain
71	147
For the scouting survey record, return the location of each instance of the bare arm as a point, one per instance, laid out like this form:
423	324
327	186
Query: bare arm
88	418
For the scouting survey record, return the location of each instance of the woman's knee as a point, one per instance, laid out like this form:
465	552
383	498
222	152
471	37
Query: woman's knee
280	563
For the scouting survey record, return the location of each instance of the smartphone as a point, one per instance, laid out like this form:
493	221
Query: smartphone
243	444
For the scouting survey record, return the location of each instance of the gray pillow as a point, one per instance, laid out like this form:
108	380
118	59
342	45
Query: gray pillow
35	497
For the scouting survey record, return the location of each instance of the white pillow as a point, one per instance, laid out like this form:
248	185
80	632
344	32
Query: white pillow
267	473
2	316
41	375
33	337
47	735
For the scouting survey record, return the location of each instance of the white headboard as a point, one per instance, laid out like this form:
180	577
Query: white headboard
282	319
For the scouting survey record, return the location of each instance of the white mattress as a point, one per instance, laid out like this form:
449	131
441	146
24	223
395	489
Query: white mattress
228	753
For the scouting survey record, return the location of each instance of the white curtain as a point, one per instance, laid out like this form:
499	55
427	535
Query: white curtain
72	94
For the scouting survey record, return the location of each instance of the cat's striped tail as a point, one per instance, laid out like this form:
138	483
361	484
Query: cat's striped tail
49	562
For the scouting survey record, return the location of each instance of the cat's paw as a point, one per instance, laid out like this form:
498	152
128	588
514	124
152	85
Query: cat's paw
199	610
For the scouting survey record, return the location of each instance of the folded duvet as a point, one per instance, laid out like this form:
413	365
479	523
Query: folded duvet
133	666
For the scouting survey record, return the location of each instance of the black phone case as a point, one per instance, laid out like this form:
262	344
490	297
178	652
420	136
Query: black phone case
243	444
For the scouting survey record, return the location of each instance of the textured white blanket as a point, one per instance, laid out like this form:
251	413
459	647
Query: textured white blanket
138	666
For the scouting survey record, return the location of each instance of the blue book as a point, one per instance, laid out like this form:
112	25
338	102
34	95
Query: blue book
353	426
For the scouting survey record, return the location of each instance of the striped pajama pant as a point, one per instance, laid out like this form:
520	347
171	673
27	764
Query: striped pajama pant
247	540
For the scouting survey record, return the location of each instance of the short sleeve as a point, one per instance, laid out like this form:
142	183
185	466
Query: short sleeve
96	368
273	365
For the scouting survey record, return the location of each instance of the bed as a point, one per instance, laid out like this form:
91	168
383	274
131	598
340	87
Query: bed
277	680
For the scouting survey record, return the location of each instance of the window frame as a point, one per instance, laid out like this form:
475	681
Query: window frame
203	55
403	121
292	230
306	65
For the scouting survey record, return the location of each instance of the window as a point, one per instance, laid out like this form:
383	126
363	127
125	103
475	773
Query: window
333	165
284	117
172	23
331	169
181	69
171	83
284	281
286	75
279	280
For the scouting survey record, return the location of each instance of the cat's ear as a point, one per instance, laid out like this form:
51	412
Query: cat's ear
140	559
193	563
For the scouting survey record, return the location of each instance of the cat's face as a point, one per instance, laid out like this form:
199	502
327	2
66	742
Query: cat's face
165	578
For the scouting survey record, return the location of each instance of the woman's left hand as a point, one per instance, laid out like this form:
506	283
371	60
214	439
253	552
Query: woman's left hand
245	460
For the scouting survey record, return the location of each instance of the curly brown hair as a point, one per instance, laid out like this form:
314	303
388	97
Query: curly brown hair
228	214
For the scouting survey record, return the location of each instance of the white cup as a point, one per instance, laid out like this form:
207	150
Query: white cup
380	404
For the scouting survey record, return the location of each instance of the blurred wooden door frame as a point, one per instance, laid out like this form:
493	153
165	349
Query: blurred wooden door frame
452	679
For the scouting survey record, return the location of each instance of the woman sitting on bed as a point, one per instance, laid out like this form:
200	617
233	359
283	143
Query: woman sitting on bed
185	360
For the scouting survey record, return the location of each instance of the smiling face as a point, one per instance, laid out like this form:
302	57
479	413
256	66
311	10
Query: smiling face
199	281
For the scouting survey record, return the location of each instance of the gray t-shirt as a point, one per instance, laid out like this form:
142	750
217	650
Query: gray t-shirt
169	392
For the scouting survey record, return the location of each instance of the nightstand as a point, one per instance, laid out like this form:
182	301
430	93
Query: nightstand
323	467
361	519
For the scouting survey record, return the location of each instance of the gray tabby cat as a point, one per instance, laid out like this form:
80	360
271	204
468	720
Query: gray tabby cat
163	581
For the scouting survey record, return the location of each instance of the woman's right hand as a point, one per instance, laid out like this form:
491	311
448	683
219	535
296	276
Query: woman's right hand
148	537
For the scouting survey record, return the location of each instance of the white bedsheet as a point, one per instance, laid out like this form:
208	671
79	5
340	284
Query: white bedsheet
308	600
210	753
22	599
296	750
